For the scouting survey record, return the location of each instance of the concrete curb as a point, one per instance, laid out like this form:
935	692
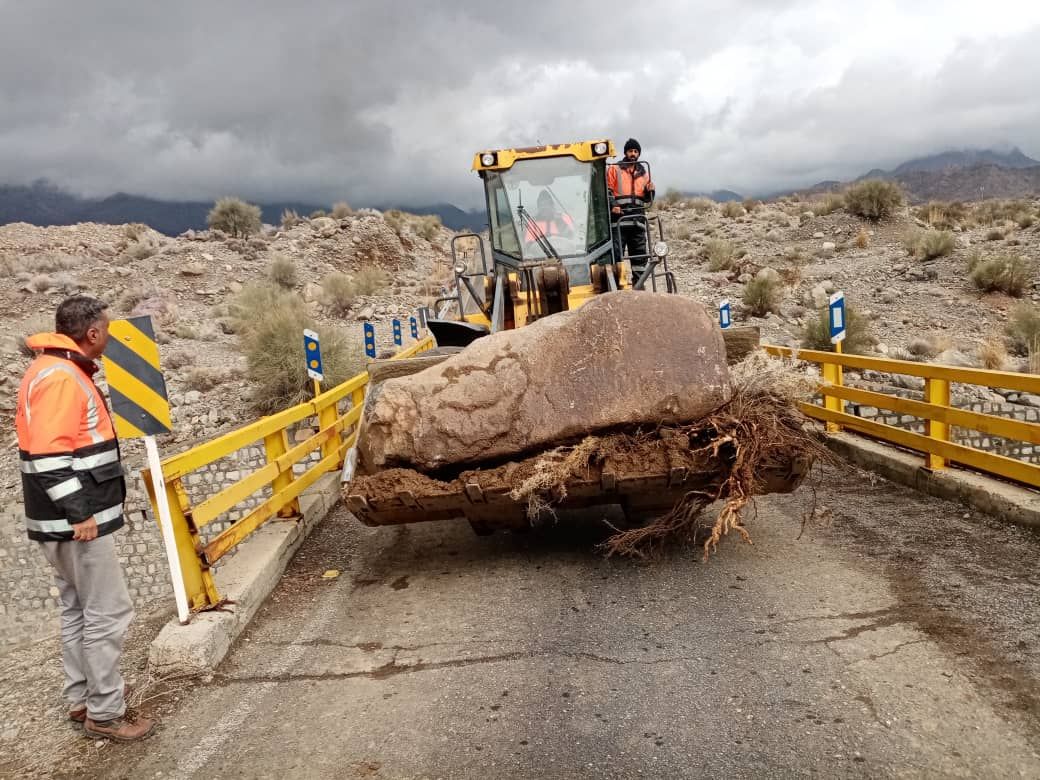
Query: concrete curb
247	579
1000	499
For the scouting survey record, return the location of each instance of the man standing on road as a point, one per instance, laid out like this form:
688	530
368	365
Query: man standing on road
631	190
73	486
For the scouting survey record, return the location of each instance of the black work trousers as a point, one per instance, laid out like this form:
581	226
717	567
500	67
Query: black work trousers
630	239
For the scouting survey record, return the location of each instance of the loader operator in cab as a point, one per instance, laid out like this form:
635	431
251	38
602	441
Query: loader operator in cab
631	190
548	219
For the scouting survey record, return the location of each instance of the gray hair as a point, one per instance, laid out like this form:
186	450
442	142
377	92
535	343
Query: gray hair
76	315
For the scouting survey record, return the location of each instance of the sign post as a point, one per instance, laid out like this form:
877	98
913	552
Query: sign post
424	316
370	340
838	321
312	352
725	319
141	409
397	333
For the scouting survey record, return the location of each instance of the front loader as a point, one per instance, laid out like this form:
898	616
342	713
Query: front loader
551	247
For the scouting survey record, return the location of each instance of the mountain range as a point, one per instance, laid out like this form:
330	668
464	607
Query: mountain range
969	174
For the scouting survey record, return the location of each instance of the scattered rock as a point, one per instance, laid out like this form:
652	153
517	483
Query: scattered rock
193	269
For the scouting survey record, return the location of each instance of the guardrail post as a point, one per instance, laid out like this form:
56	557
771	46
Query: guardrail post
832	374
936	391
327	417
275	445
198	581
357	400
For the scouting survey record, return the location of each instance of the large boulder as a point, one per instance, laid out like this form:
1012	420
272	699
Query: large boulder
625	358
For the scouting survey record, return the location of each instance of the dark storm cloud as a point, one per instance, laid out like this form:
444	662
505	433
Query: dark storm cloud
386	102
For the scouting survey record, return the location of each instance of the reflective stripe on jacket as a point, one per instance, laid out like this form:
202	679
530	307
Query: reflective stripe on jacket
548	227
71	470
628	183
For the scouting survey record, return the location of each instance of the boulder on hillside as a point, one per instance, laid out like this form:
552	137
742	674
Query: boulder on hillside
625	358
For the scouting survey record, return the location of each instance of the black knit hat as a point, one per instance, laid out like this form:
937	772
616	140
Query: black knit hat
632	143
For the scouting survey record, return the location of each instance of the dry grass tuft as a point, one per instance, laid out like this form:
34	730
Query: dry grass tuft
874	199
992	354
1009	274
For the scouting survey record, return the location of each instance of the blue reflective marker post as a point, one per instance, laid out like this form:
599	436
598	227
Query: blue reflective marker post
415	327
725	319
370	340
312	354
837	319
397	332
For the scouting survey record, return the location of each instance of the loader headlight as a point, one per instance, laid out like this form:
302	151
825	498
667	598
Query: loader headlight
460	269
600	147
488	158
661	249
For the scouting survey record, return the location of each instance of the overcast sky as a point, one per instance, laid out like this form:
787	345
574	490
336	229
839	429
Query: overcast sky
386	101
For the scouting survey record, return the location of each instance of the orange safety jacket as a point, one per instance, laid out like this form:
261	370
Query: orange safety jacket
71	470
628	184
549	227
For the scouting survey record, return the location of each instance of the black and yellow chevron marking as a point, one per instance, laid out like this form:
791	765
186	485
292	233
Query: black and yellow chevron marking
135	383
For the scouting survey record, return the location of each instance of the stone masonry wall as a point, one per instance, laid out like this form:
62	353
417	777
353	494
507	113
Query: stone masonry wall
28	596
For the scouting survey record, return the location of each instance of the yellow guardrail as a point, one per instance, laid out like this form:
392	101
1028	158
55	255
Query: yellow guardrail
935	410
336	434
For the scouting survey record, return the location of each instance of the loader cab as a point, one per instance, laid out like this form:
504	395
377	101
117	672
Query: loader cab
549	245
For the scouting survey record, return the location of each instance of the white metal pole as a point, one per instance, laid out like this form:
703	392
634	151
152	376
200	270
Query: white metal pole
166	524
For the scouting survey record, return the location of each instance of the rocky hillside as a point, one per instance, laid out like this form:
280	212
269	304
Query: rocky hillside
186	283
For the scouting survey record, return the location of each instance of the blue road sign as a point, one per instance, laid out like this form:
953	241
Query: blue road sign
370	339
837	317
397	332
415	327
725	318
312	352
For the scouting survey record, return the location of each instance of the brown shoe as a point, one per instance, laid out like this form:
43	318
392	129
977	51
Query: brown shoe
79	714
129	728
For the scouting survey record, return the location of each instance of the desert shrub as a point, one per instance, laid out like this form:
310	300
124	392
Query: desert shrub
671	198
430	227
922	346
991	212
762	295
683	233
38	323
974	259
721	255
177	358
282	270
794	254
732	209
862	239
141	249
317	213
992	354
751	204
702	205
49	262
369	281
1025	220
290	218
994	234
341	210
942	215
274	356
817	332
66	283
202	378
791	275
873	199
395	220
135	231
41	282
339	292
134	295
929	244
1023	328
827	205
203	331
1005	273
249	306
235	217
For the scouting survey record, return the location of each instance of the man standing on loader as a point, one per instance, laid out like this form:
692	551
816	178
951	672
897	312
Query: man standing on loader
631	190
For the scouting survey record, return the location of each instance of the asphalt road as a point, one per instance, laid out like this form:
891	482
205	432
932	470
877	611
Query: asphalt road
898	638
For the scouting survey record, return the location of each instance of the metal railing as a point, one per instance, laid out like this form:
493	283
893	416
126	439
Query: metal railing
938	415
335	435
